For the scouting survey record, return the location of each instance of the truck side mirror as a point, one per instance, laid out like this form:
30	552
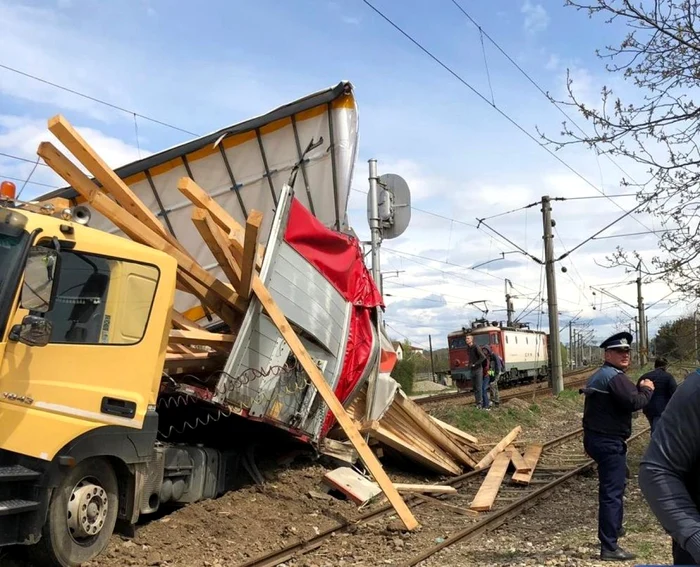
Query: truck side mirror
34	331
40	275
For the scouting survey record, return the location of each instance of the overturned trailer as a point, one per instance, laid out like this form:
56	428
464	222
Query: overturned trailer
312	262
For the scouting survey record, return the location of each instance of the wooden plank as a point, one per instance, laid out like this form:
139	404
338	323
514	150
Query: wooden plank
355	486
231	226
500	447
338	450
141	233
69	137
517	459
314	373
200	338
455	431
250	244
422	488
183	323
431	429
217	243
484	499
532	455
390	439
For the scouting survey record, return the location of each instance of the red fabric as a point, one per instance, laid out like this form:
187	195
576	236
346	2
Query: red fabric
339	258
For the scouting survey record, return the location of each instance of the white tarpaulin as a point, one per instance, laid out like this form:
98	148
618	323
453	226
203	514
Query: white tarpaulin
243	167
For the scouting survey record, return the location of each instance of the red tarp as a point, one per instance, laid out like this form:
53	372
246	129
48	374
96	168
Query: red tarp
339	258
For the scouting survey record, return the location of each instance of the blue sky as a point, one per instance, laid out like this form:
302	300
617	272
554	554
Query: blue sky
201	66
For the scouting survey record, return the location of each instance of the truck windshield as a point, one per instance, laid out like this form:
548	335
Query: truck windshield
10	251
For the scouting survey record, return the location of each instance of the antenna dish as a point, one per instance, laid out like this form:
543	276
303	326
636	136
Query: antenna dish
394	200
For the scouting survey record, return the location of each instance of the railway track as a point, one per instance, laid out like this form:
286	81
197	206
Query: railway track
447	519
571	380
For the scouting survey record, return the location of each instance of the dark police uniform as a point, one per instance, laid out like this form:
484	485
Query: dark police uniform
611	398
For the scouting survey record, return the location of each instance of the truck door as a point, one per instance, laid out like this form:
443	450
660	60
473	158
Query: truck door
100	366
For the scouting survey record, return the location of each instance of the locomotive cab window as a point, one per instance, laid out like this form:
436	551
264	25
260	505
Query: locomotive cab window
458	342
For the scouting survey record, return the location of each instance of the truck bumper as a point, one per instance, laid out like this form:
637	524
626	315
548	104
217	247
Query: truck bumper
24	498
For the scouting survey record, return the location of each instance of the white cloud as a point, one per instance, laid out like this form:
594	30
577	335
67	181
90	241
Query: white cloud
536	17
21	137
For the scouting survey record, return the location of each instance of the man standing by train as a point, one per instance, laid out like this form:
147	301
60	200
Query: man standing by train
611	398
476	369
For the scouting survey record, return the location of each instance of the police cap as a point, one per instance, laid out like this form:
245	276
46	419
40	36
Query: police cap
618	341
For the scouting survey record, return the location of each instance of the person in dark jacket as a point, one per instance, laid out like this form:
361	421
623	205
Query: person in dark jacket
669	474
496	368
611	398
664	387
476	369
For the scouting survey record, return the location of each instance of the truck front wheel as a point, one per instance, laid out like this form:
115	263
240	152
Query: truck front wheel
82	515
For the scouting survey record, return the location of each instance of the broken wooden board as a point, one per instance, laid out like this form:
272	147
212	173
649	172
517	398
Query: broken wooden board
517	459
486	496
426	488
499	448
470	439
201	338
343	451
356	487
250	245
532	455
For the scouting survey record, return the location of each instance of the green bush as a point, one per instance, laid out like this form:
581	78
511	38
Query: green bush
404	372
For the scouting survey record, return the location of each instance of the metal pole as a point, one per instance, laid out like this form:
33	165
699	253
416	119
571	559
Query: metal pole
375	241
642	326
695	321
636	338
557	376
646	334
571	347
432	364
374	224
509	305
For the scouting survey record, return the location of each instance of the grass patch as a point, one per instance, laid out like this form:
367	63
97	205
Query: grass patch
568	395
497	421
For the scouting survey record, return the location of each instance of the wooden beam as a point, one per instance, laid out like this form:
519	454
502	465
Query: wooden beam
182	322
422	488
69	137
484	499
432	430
200	338
217	243
456	431
532	455
132	227
231	226
518	461
250	244
499	448
318	380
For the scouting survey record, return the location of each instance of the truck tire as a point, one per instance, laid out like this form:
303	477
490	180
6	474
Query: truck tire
81	517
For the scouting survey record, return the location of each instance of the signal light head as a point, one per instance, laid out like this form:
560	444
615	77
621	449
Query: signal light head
8	190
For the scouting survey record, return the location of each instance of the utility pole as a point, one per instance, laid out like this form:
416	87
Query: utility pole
509	305
695	335
571	347
432	365
374	224
636	338
375	241
642	326
646	336
555	344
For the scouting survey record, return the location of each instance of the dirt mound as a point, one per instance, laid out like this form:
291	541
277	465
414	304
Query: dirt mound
517	403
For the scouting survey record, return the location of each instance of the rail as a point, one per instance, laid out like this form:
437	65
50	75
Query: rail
547	477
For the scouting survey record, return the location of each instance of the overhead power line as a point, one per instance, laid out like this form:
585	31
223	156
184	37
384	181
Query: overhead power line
95	99
490	103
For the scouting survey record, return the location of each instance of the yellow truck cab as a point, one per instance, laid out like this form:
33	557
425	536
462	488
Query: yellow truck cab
84	323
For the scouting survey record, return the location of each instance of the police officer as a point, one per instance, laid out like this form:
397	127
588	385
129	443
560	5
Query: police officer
611	398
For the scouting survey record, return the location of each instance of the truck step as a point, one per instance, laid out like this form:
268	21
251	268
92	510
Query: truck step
17	473
10	507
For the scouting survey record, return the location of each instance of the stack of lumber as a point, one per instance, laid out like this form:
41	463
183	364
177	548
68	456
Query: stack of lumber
405	429
237	251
